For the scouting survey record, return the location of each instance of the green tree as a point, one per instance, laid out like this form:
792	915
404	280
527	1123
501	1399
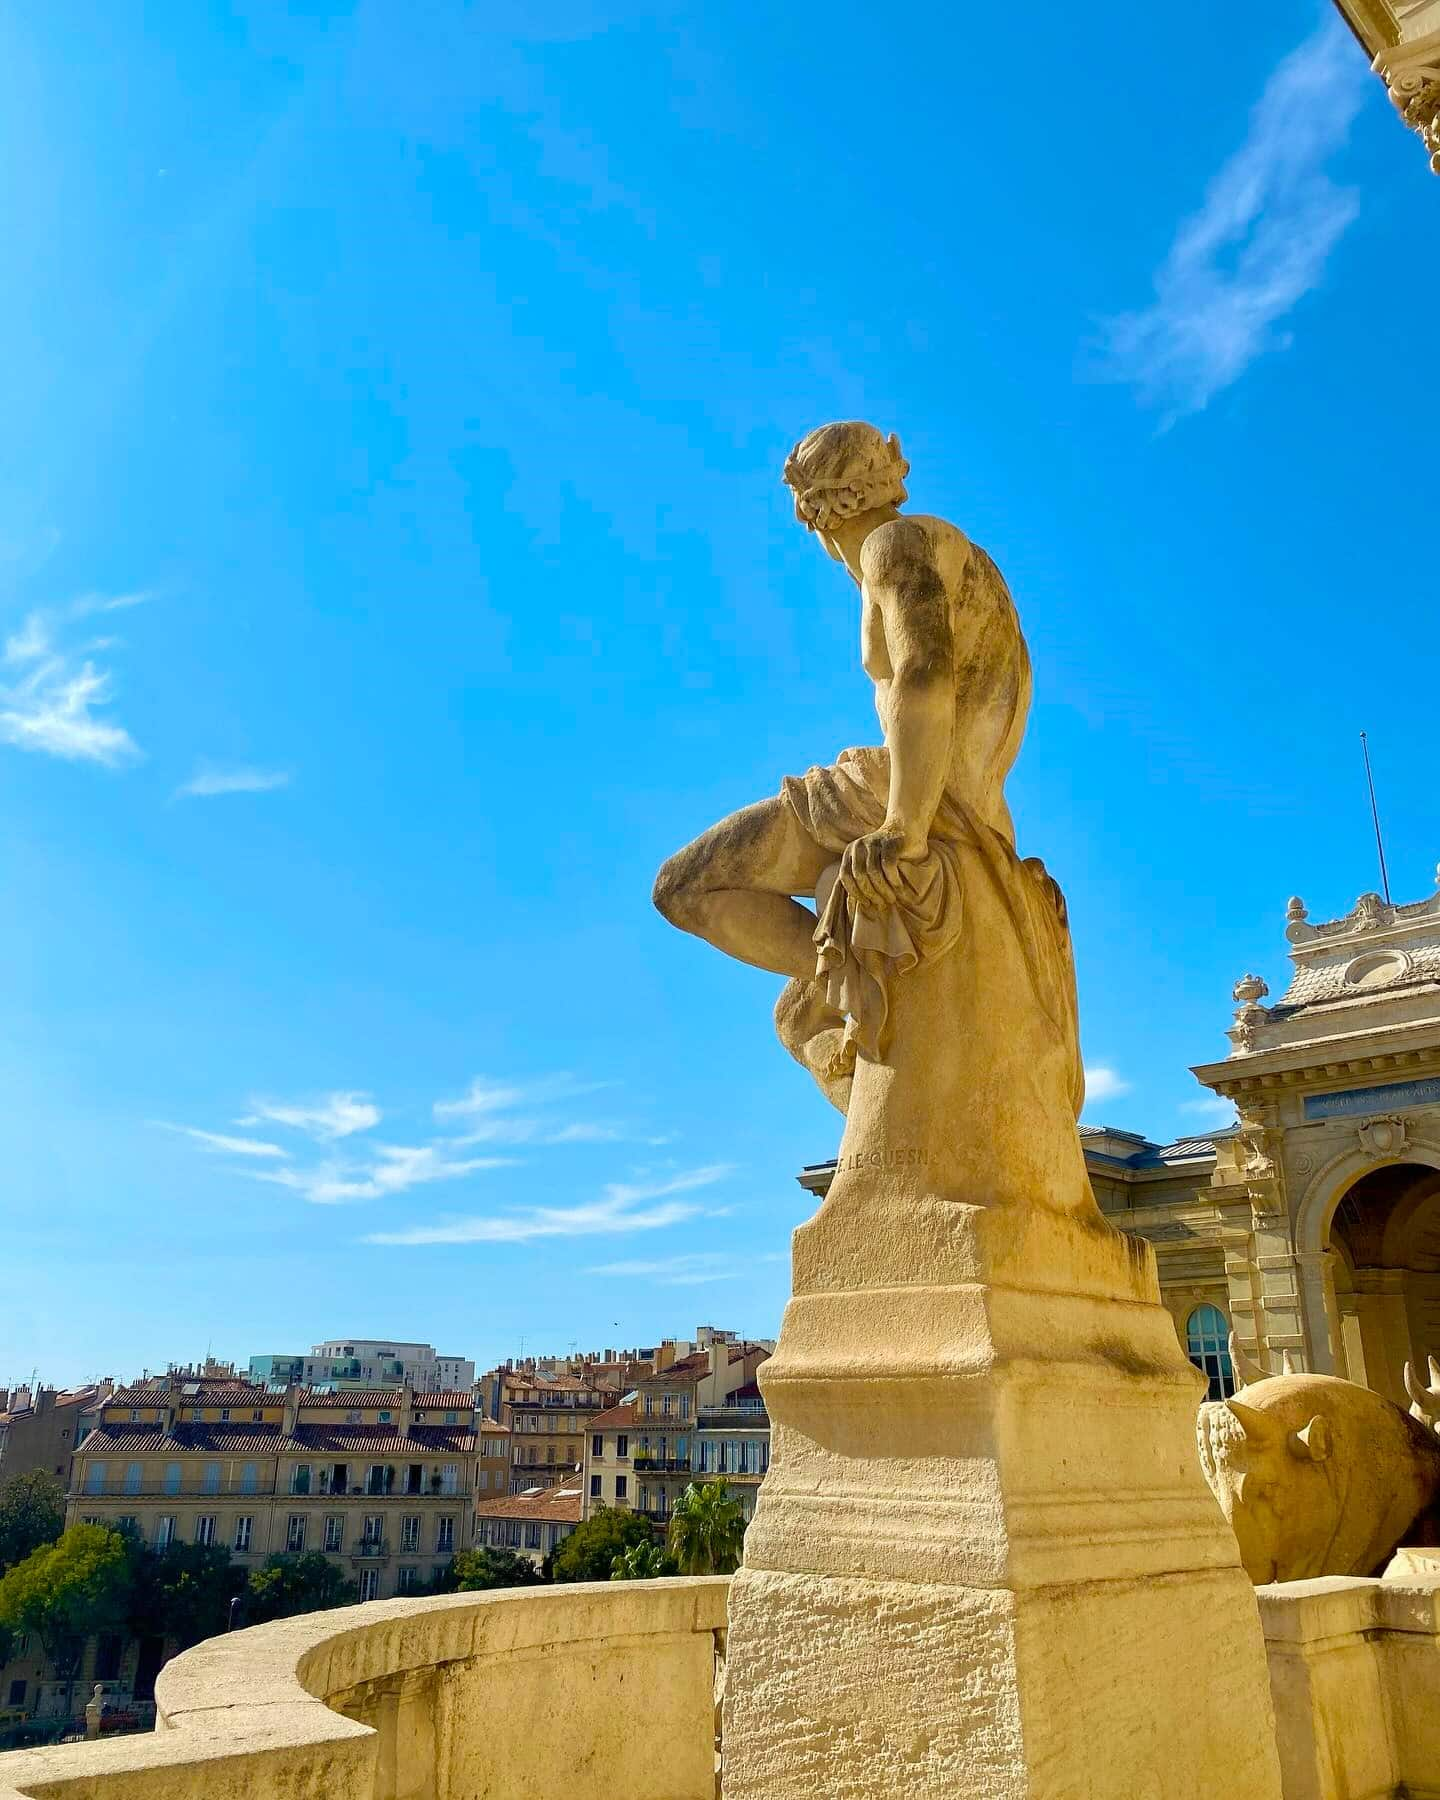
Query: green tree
288	1585
182	1592
472	1571
707	1530
66	1592
32	1513
589	1553
643	1562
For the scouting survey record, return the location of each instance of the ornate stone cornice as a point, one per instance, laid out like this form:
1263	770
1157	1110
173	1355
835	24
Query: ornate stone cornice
1411	71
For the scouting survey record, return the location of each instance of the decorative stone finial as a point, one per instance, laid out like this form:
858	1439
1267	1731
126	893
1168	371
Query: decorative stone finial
1250	987
1295	913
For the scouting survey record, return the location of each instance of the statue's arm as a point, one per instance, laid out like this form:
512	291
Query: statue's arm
901	579
903	582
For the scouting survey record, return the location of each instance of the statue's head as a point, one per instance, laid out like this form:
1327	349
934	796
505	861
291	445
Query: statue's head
841	471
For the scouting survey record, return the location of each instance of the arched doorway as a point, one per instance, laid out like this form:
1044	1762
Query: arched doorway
1385	1235
1207	1345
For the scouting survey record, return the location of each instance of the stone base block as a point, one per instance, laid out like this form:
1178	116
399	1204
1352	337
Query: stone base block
1148	1689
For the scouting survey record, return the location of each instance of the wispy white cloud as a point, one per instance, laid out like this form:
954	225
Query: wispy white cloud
89	604
1215	1109
328	1119
623	1207
673	1271
218	1141
393	1169
1259	242
486	1096
53	702
1104	1083
205	782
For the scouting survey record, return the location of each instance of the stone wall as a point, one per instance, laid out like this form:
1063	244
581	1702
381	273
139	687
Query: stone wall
606	1689
594	1689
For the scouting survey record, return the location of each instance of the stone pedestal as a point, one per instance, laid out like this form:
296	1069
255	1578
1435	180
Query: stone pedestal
985	1562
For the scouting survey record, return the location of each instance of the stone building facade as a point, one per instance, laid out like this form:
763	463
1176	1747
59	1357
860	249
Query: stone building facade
1311	1226
1402	39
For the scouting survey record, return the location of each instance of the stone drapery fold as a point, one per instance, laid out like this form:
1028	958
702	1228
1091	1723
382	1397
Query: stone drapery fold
860	955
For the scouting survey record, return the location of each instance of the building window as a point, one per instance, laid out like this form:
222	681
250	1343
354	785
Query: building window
369	1583
450	1478
205	1529
95	1478
595	1490
295	1534
1206	1344
410	1534
334	1533
17	1693
597	1445
532	1537
405	1580
224	1415
249	1478
300	1479
134	1415
108	1652
165	1531
373	1529
258	1416
622	1445
197	1415
386	1418
684	1406
622	1487
667	1401
444	1536
452	1417
134	1472
244	1525
212	1478
354	1417
173	1473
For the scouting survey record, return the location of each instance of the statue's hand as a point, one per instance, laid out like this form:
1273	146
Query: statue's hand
870	866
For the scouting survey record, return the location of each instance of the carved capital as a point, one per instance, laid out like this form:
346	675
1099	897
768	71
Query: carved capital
1412	74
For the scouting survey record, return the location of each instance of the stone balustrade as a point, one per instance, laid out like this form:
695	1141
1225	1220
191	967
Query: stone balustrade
606	1689
592	1690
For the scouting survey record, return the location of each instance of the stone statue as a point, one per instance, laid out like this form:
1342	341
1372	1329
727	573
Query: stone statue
1320	1476
983	1509
95	1711
888	842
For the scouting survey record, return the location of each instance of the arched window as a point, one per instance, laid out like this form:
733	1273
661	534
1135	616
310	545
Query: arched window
1207	1345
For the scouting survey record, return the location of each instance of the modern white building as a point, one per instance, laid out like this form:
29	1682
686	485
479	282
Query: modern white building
368	1362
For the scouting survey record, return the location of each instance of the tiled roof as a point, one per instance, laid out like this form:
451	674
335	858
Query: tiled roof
562	1504
85	1396
308	1439
442	1400
144	1440
615	1418
199	1392
423	1439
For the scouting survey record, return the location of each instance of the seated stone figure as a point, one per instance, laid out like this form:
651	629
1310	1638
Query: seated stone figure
888	839
1319	1476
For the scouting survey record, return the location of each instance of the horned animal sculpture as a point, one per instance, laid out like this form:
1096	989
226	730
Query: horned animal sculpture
1319	1476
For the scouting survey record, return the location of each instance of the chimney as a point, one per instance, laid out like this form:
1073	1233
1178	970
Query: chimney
292	1409
405	1418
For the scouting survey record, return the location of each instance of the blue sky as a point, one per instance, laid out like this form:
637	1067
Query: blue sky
394	568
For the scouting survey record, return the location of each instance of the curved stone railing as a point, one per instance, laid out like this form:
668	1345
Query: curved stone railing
592	1690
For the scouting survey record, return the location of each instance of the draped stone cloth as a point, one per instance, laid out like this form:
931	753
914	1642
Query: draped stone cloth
860	955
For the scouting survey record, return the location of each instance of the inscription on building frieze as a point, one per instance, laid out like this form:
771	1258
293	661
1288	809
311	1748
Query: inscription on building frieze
1355	1102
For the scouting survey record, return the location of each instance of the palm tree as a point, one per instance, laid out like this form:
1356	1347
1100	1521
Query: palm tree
707	1532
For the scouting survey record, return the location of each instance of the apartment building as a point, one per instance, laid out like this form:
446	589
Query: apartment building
530	1524
643	1453
547	1416
732	1444
381	1480
608	1478
40	1427
367	1363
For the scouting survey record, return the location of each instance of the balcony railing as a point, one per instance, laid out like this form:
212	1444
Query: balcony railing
665	1465
187	1490
753	1414
370	1547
